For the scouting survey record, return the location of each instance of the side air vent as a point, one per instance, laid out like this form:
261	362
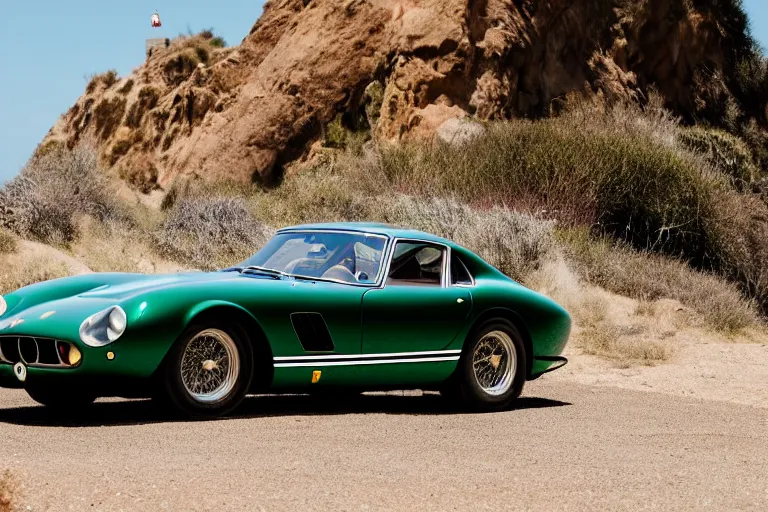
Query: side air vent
312	332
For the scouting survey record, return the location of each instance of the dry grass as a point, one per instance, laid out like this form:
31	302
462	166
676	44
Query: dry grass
31	271
597	321
108	115
8	242
108	79
211	233
514	242
648	277
126	87
623	344
110	247
621	171
9	492
43	202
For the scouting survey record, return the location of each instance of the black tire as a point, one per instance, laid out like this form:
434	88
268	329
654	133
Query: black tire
464	385
174	391
60	398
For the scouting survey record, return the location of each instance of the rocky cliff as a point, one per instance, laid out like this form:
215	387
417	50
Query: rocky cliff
399	69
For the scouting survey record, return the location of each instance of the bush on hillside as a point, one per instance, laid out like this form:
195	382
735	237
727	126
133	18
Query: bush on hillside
43	202
582	171
213	39
620	171
127	87
108	78
108	115
726	152
211	233
8	241
515	243
649	277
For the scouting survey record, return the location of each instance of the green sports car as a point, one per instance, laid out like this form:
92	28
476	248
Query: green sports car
321	308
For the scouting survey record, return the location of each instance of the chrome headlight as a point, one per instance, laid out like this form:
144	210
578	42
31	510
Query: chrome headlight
3	306
104	327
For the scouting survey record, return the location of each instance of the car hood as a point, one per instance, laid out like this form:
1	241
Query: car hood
106	287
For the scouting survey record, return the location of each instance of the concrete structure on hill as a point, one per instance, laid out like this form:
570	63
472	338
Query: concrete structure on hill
153	44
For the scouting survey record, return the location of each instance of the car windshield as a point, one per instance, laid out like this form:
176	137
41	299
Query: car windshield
346	257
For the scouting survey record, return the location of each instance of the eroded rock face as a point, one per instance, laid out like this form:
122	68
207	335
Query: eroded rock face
405	66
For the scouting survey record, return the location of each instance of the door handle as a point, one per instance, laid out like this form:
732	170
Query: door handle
459	300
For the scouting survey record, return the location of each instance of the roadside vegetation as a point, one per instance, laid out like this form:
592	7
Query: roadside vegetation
599	200
9	242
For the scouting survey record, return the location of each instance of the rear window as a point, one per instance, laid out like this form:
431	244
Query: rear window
459	273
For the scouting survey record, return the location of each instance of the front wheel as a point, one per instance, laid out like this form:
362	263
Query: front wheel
492	367
208	371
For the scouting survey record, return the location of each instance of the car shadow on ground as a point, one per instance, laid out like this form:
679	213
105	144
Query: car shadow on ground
137	412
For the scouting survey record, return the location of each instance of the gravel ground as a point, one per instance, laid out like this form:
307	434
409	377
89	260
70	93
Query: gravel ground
566	447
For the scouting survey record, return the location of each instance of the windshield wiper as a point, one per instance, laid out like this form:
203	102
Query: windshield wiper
277	274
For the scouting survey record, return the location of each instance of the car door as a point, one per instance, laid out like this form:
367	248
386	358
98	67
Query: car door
415	310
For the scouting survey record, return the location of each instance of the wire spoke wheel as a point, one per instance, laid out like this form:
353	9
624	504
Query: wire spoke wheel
210	366
494	362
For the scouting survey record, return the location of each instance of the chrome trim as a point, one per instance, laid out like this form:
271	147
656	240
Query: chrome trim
471	277
218	385
493	378
37	350
368	356
446	253
384	252
36	363
368	362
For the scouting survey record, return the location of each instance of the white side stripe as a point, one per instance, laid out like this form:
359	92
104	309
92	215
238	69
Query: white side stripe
376	361
368	356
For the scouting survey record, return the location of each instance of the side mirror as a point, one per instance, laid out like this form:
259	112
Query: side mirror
361	276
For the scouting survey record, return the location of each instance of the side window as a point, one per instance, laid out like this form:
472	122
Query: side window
416	264
459	273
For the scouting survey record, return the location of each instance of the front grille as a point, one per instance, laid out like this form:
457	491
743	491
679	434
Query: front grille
35	352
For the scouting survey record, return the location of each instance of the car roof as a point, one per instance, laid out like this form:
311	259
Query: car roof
372	228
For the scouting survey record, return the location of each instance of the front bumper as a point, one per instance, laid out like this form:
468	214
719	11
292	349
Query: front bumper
546	364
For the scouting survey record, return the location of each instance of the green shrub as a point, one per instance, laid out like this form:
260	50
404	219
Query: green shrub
627	184
726	152
619	171
337	135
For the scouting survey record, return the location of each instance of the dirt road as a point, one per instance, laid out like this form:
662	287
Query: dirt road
567	447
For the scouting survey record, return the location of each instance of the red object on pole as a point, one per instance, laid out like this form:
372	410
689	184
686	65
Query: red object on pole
156	21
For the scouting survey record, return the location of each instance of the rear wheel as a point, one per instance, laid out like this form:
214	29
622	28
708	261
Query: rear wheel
492	367
209	370
60	398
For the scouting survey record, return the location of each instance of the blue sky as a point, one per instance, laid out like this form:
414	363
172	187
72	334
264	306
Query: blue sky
48	48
